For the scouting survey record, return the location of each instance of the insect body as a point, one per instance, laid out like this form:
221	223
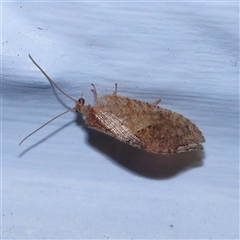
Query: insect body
140	124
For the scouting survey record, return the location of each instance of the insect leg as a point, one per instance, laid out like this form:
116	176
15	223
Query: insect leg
94	92
157	102
115	91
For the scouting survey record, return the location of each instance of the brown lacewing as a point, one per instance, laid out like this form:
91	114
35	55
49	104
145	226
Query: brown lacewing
140	124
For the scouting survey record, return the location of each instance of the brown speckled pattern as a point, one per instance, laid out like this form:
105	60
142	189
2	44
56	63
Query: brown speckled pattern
143	125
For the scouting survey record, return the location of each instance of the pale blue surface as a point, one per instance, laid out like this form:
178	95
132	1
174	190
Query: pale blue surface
81	184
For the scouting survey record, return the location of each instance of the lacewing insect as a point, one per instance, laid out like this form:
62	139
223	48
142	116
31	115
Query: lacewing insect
140	124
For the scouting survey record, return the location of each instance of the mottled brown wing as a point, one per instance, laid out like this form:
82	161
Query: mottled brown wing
144	125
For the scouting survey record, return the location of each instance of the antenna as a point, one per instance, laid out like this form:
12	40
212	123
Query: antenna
50	80
72	109
54	84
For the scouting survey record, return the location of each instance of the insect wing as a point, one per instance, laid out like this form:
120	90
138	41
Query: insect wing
112	125
146	126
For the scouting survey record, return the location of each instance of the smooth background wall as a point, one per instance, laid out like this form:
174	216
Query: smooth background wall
67	181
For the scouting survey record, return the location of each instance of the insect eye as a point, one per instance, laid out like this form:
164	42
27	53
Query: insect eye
81	101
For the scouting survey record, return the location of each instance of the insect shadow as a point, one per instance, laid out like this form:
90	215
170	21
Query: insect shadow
139	162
